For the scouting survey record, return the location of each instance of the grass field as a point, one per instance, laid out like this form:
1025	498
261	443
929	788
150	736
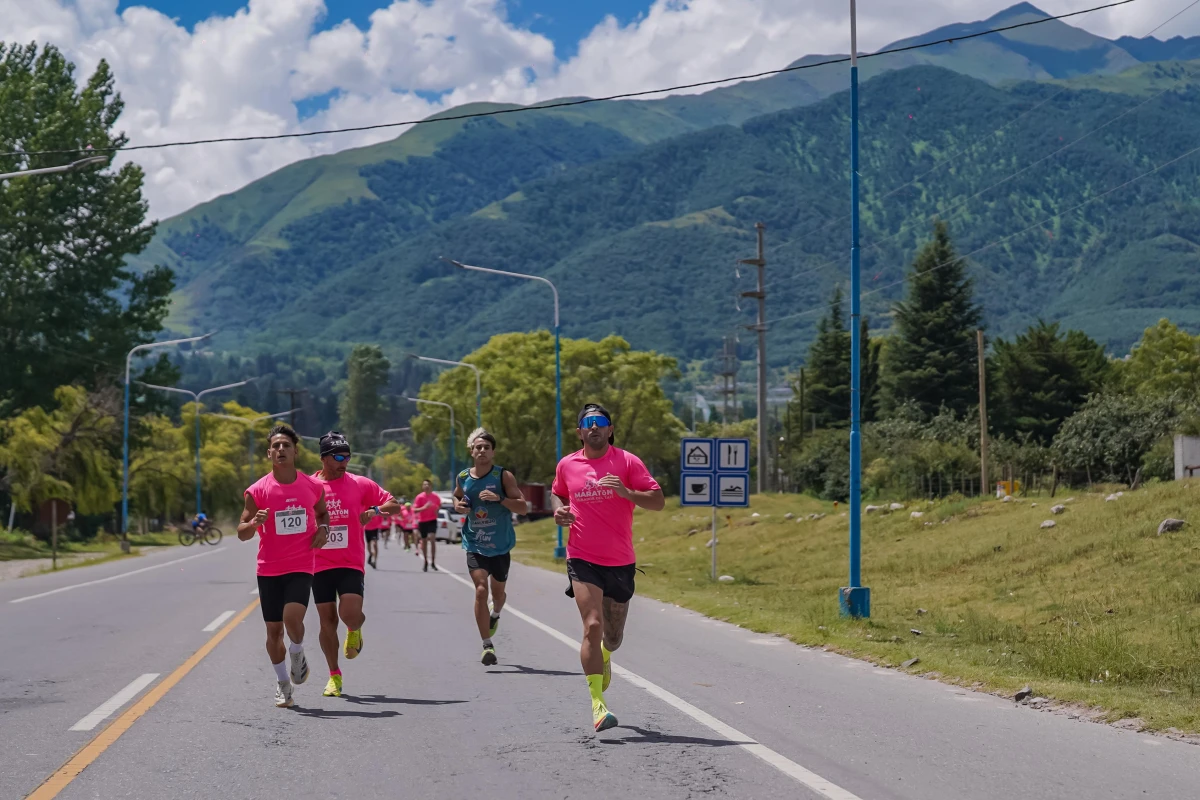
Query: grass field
1099	610
21	545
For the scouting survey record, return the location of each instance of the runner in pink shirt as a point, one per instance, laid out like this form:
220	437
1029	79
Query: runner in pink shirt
286	509
426	508
594	492
339	580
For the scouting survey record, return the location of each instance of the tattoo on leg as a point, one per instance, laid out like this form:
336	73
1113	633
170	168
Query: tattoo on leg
614	623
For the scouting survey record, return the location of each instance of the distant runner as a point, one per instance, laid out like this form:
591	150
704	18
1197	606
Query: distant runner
426	508
488	495
594	492
408	525
339	581
286	509
371	533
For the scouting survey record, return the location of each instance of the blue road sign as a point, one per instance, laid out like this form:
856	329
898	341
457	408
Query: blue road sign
733	455
696	455
733	489
696	489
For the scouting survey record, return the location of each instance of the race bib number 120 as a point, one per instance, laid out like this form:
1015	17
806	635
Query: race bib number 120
339	538
291	521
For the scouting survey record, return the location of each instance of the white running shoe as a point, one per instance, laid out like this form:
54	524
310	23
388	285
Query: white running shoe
283	694
299	670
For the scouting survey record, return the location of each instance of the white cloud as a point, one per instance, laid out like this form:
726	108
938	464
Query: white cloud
243	74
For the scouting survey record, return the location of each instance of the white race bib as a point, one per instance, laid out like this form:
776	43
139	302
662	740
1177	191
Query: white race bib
291	521
339	538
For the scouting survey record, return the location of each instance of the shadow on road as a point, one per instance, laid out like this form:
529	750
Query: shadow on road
657	737
373	699
326	713
519	669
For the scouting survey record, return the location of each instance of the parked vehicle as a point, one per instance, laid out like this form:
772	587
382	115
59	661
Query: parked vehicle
450	525
537	501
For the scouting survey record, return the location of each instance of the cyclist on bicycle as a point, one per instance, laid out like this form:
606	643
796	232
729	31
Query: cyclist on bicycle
200	522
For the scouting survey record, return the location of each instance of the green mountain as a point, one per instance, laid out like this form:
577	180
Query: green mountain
639	210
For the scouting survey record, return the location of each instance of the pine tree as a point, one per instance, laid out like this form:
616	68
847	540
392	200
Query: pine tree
932	358
362	408
828	369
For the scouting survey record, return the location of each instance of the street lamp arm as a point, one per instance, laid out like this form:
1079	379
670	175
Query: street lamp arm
221	388
188	392
147	346
546	281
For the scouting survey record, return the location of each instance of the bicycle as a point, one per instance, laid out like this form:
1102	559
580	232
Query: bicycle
205	534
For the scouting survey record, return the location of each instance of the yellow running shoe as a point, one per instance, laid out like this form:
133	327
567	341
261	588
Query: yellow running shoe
353	645
602	718
607	670
334	687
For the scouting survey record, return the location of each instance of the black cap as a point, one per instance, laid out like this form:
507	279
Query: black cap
334	442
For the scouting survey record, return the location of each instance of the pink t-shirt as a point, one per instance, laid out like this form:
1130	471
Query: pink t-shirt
285	539
431	513
407	521
603	529
346	498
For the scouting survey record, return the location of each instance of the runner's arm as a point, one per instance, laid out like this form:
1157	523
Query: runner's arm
322	515
252	517
652	500
514	500
562	510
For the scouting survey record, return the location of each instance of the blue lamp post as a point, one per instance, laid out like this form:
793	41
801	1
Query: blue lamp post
453	462
478	382
855	600
559	550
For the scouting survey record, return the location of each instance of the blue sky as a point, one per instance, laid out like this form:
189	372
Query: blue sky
565	22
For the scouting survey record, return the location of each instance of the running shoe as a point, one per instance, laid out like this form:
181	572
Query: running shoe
495	619
602	718
353	645
334	687
489	656
426	567
607	672
283	694
299	670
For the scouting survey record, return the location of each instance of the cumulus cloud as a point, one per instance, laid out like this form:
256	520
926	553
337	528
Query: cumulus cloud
244	74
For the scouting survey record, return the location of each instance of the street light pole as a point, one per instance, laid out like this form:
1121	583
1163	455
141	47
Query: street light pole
855	600
74	165
478	382
391	430
196	397
559	550
125	435
453	463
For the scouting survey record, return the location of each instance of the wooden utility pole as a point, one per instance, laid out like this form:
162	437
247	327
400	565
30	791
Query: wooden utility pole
802	404
291	393
761	328
983	425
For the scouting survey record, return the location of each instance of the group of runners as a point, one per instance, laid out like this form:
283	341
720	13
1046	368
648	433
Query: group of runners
315	539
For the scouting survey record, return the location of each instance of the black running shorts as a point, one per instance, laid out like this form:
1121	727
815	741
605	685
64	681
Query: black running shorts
615	582
276	591
427	529
496	566
372	536
330	584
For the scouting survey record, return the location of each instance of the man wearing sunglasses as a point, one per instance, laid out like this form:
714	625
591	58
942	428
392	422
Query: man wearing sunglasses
339	581
594	493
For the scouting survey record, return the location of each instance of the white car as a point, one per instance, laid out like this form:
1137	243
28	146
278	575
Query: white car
449	525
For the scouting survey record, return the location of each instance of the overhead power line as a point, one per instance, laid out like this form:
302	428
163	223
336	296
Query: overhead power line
579	101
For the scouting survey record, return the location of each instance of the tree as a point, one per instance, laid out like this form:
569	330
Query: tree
1042	377
1113	433
397	473
69	308
518	401
1165	361
362	408
931	359
828	370
65	453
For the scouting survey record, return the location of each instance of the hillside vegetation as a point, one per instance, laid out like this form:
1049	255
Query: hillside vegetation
1098	611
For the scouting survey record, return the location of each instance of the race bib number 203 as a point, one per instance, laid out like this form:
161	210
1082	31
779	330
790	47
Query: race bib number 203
339	538
291	521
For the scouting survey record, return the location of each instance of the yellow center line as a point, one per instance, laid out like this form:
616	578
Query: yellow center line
93	749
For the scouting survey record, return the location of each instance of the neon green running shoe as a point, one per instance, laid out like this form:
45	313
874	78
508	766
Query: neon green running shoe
353	645
602	718
334	687
489	656
607	672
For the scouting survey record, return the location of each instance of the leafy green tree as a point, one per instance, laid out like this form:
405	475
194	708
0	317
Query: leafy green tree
64	453
1165	361
69	307
363	406
518	403
827	375
1112	434
931	359
1042	377
397	473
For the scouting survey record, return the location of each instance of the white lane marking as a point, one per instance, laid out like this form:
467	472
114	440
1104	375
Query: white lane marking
254	592
785	765
216	623
105	709
114	577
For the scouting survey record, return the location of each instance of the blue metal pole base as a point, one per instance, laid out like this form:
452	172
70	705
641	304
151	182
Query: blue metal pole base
560	553
855	601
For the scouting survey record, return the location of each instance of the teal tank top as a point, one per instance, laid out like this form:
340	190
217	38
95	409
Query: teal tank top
489	529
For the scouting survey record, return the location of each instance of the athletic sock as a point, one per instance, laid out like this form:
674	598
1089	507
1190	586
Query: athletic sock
296	647
595	682
333	672
495	616
487	642
281	670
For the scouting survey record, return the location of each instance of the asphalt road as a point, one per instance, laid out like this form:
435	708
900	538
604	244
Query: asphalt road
706	709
